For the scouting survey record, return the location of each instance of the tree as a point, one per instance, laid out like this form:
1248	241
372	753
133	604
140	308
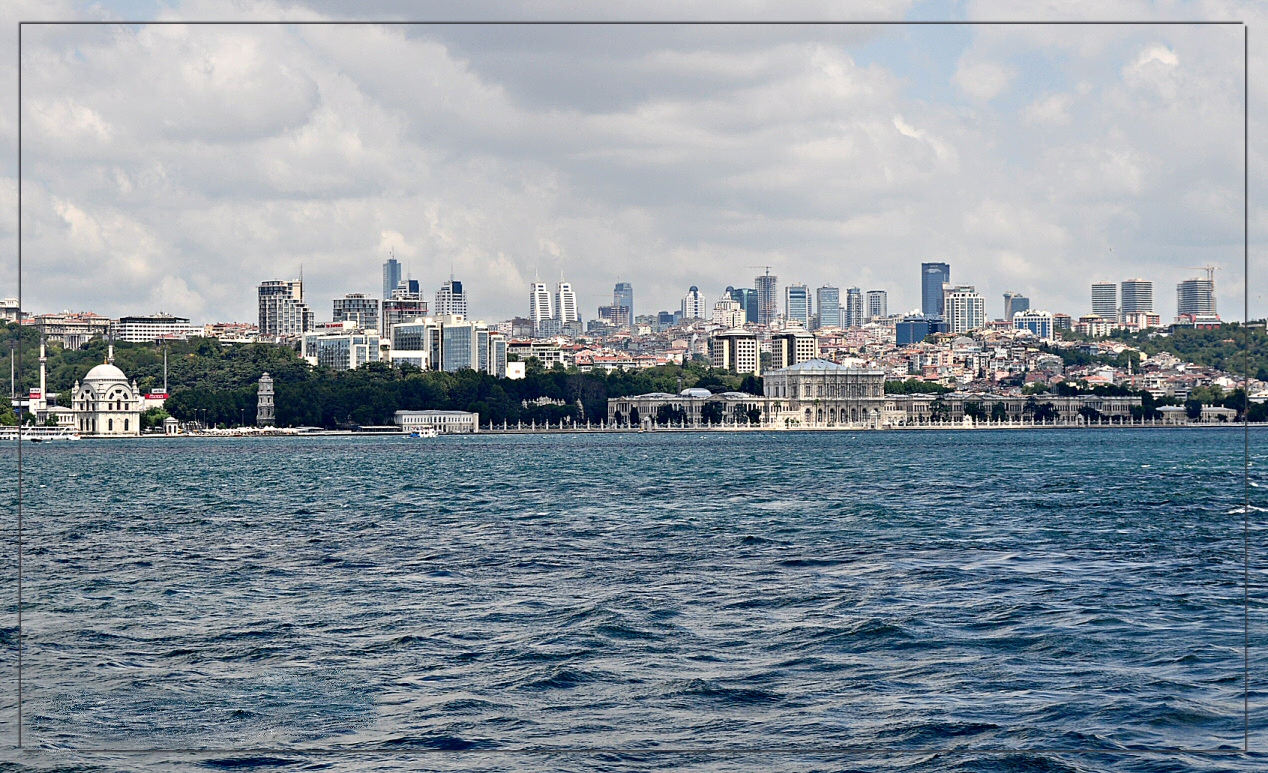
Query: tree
752	385
153	417
635	419
939	410
999	412
975	410
915	387
755	415
711	412
7	417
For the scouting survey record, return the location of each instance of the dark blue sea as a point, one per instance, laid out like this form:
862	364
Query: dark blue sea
668	601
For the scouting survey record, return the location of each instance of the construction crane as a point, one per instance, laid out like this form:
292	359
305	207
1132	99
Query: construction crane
768	268
1208	268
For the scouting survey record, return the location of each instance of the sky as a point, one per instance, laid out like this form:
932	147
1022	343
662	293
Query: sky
173	168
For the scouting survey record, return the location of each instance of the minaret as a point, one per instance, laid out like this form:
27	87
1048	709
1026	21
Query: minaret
110	354
43	362
164	370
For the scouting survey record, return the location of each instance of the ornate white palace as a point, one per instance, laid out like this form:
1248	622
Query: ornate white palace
106	404
820	393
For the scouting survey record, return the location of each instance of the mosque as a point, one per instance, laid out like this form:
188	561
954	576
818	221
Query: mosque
106	404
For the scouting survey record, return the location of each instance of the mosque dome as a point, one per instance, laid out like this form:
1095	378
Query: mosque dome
105	372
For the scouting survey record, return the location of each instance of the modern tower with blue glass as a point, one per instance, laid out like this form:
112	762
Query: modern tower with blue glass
932	277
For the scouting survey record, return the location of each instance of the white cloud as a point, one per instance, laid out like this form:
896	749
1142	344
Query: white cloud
983	80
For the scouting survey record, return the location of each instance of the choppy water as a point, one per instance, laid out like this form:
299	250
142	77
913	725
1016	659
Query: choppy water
905	590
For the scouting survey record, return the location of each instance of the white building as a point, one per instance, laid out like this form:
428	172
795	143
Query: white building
449	343
877	304
156	327
737	351
9	310
346	349
728	312
965	310
283	312
1036	321
540	304
693	304
451	300
791	347
819	393
444	422
1105	300
566	309
106	404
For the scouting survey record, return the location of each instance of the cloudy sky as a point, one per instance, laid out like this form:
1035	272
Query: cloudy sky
174	167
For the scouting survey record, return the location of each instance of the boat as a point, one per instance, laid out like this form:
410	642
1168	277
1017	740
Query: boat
423	432
39	434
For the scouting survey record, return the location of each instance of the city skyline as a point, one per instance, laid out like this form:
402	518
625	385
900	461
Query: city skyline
674	163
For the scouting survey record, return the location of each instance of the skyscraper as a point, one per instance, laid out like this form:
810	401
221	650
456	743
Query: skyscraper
877	305
797	304
540	306
693	304
356	307
566	304
932	277
1105	300
623	303
828	301
767	298
1196	297
965	309
450	299
1013	303
747	298
282	309
1138	296
853	307
391	276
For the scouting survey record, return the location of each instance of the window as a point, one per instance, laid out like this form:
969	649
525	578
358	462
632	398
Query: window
125	425
109	424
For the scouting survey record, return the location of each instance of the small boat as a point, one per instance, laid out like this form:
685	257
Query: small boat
424	432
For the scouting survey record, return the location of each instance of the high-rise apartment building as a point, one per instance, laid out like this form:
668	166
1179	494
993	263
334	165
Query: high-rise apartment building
735	351
693	304
405	304
566	309
391	276
1137	296
853	307
877	305
451	300
1013	303
1196	297
767	290
797	304
828	302
791	347
1105	300
728	312
964	309
283	312
932	277
540	304
356	307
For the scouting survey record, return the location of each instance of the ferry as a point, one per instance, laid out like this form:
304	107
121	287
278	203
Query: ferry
423	432
39	434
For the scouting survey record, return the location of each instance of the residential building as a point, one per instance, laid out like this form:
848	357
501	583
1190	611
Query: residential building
566	309
10	310
540	307
155	327
877	305
797	304
346	349
766	287
1061	321
828	302
1105	301
932	277
965	309
736	351
1141	320
728	313
1013	303
747	298
391	277
665	320
616	316
1037	322
283	312
693	305
791	347
853	307
1137	296
356	307
1196	298
451	300
405	304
